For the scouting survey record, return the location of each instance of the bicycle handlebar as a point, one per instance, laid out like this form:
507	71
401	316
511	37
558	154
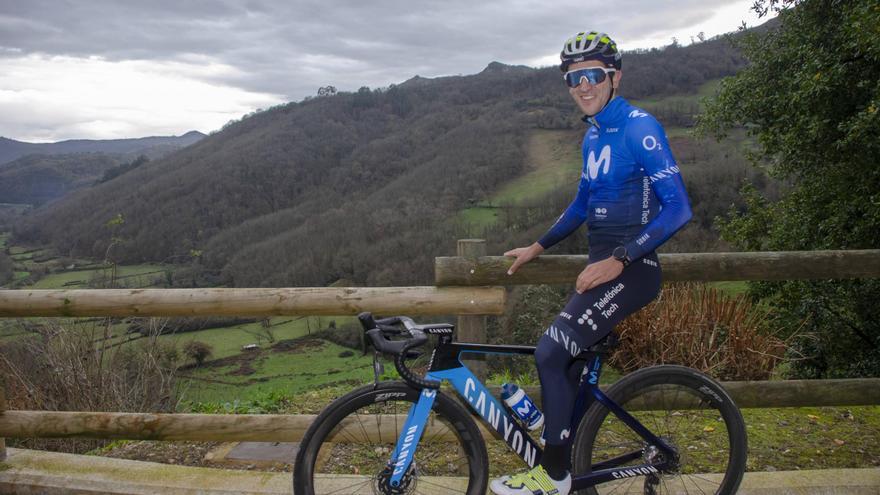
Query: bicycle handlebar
376	330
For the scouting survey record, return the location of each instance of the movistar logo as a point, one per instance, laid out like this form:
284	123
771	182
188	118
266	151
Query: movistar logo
604	162
635	114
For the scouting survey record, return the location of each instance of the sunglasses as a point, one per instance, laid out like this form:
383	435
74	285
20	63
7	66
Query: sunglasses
593	75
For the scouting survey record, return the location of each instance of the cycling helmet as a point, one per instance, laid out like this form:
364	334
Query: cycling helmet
590	46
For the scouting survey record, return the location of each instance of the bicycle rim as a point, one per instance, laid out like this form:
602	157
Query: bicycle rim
350	452
685	409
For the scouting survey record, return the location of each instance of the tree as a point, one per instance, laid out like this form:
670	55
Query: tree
198	351
326	91
810	97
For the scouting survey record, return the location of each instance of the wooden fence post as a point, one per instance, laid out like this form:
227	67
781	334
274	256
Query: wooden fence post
473	328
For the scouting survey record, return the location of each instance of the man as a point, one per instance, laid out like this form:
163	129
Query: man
633	199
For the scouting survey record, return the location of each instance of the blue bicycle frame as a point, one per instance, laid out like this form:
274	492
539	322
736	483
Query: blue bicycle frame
446	365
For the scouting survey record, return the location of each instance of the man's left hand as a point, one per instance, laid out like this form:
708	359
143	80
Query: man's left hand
598	273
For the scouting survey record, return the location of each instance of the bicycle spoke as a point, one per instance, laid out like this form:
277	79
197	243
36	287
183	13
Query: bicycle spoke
358	487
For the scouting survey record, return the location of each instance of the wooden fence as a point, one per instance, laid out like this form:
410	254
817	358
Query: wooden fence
466	285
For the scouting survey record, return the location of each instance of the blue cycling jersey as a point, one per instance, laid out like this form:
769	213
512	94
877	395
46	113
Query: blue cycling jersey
630	192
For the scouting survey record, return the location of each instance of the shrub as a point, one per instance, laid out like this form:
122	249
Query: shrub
347	335
67	367
697	326
197	351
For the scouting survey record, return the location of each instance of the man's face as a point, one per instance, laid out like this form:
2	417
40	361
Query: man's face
591	98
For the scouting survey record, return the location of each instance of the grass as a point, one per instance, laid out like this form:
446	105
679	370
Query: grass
709	88
228	341
79	278
554	162
731	288
813	438
313	366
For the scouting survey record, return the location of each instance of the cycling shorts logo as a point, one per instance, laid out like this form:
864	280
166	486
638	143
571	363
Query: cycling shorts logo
565	434
601	212
603	162
650	143
585	318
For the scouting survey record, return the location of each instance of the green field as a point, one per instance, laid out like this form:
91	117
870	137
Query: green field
707	89
554	163
289	368
81	278
229	341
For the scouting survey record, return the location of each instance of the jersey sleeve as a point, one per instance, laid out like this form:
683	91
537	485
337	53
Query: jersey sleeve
573	216
647	142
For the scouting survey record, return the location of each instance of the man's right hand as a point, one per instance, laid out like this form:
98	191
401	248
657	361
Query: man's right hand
523	255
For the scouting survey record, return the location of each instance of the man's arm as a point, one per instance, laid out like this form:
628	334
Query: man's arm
647	142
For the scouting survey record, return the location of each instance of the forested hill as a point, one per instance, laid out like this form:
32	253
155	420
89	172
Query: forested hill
11	149
361	186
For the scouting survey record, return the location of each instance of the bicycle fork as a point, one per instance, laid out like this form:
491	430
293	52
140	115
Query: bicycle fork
413	428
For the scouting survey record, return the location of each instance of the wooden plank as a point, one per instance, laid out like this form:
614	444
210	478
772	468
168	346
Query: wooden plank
312	301
197	427
784	393
291	428
706	267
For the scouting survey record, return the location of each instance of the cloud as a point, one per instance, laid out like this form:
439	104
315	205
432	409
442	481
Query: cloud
285	50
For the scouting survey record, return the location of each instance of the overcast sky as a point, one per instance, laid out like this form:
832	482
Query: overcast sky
103	69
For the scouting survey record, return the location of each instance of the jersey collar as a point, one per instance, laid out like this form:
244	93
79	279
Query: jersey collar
610	116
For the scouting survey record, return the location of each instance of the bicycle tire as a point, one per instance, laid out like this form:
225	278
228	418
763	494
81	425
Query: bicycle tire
710	462
353	459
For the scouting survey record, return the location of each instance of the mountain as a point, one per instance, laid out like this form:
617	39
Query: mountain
364	186
11	149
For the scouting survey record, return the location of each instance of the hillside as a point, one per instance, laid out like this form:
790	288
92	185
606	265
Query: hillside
11	149
38	179
365	186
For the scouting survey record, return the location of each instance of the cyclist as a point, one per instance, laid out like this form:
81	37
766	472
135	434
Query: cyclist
633	199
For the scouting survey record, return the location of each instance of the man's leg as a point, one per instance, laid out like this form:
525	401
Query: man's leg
586	319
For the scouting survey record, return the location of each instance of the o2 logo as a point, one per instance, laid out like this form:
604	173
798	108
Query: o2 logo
650	143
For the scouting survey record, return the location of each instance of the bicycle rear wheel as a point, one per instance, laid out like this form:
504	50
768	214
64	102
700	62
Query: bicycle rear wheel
685	408
348	447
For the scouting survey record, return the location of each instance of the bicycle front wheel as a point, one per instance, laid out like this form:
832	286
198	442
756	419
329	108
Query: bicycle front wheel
348	448
685	408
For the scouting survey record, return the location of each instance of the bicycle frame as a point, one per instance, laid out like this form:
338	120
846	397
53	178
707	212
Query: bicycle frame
446	365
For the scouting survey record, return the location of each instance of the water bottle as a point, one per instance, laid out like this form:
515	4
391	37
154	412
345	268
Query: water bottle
523	407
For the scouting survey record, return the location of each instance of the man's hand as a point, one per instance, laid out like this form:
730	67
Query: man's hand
598	273
523	255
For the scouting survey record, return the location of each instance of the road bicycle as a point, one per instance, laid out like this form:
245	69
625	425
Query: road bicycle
662	429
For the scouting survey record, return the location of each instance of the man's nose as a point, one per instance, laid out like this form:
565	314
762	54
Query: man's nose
584	84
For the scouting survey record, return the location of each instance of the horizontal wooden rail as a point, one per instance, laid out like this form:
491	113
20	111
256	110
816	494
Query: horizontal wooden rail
706	267
790	393
291	428
318	301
